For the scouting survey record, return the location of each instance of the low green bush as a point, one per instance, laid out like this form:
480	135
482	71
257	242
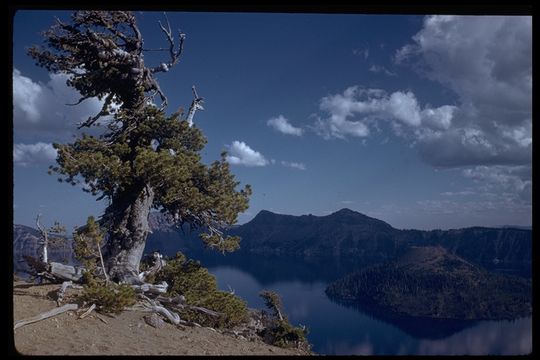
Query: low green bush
279	331
109	298
189	278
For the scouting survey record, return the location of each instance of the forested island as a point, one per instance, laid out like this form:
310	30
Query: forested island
430	282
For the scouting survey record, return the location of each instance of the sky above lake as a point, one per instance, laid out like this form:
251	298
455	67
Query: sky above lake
421	121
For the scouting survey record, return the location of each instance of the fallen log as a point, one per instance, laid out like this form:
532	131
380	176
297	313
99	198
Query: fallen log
66	272
173	317
179	303
151	288
46	315
54	271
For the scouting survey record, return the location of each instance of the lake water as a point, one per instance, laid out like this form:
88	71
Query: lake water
337	330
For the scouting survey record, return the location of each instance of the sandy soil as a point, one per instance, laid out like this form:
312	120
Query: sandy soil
124	334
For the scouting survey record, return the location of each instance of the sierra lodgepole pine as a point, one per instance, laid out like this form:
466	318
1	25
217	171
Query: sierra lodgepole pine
142	159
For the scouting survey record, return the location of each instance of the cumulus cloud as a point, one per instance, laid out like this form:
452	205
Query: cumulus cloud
294	165
514	181
487	62
241	154
491	123
356	109
38	153
40	110
282	125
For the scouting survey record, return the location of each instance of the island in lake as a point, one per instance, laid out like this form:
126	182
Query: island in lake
430	282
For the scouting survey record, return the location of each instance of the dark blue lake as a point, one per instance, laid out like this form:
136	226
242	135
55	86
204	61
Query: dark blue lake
337	329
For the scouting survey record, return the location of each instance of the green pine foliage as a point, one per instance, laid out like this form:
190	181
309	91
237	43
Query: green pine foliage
86	241
280	332
430	282
284	335
139	145
189	278
109	297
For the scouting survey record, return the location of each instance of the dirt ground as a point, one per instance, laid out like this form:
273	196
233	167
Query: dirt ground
125	334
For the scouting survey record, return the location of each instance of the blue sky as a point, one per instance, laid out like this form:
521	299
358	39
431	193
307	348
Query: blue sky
421	121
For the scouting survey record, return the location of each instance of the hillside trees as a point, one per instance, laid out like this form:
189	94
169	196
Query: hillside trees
143	158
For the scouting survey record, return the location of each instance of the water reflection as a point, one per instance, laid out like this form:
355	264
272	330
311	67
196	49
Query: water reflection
489	337
269	269
341	330
417	327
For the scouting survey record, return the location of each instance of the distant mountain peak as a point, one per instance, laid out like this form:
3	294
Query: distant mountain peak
346	211
265	212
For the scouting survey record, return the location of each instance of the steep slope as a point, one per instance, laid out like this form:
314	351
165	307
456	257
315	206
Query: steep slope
344	233
511	246
26	243
349	234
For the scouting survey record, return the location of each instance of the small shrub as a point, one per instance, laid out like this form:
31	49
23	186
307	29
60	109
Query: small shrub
109	298
284	335
279	331
189	278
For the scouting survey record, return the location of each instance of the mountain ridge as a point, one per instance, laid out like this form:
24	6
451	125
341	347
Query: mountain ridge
347	234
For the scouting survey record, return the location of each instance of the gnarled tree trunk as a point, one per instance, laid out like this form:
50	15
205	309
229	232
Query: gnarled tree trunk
127	217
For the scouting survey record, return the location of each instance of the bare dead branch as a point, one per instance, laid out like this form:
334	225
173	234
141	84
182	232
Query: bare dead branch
80	100
175	55
46	315
152	288
44	241
62	290
104	111
63	272
87	312
103	265
101	318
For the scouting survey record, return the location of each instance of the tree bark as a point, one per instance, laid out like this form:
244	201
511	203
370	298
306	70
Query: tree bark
128	218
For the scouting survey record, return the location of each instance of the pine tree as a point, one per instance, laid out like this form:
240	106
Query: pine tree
143	158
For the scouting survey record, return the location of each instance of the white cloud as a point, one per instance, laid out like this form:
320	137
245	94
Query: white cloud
241	154
502	191
381	69
367	106
458	193
500	179
294	165
40	110
487	62
38	153
282	125
361	52
26	94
